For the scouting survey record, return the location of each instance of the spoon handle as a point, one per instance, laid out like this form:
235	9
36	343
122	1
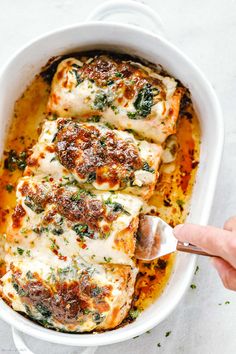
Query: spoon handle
188	248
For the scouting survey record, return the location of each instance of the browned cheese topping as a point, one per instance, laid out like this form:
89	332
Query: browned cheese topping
95	154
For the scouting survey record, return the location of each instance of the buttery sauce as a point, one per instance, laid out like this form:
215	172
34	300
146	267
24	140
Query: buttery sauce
170	200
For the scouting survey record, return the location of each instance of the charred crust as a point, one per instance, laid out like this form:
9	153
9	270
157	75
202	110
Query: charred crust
65	302
83	210
18	214
101	154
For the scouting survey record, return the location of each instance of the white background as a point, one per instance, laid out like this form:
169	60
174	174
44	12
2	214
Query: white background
206	31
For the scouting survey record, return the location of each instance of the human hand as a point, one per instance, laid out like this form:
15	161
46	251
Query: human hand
219	242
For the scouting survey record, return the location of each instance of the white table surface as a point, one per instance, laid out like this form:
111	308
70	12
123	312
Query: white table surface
206	31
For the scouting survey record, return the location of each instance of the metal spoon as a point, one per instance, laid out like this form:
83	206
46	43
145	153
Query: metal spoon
155	238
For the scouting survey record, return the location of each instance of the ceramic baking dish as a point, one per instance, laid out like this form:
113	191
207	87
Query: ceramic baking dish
130	39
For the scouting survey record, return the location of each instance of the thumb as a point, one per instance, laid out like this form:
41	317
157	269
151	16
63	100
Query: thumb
215	241
226	272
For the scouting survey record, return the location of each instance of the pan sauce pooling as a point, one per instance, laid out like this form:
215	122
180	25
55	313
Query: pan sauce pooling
105	124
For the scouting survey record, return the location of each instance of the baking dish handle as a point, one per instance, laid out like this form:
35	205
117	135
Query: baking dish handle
22	347
137	10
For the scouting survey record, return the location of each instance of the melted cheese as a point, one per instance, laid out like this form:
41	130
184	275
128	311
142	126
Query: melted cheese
119	100
70	245
45	232
111	171
70	296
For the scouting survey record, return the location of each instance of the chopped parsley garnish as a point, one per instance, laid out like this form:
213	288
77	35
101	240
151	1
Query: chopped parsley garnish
40	229
131	115
116	207
86	311
103	142
147	168
29	202
54	246
227	302
53	117
115	109
107	259
14	161
196	270
180	204
57	231
168	333
110	82
118	74
95	119
29	275
64	271
83	231
28	253
100	101
134	313
97	318
96	291
44	311
193	286
159	345
9	188
77	196
20	251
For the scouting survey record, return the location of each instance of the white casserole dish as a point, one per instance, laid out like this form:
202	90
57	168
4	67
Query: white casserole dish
135	41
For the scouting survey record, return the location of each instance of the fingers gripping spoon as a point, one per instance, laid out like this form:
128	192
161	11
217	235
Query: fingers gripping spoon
155	239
